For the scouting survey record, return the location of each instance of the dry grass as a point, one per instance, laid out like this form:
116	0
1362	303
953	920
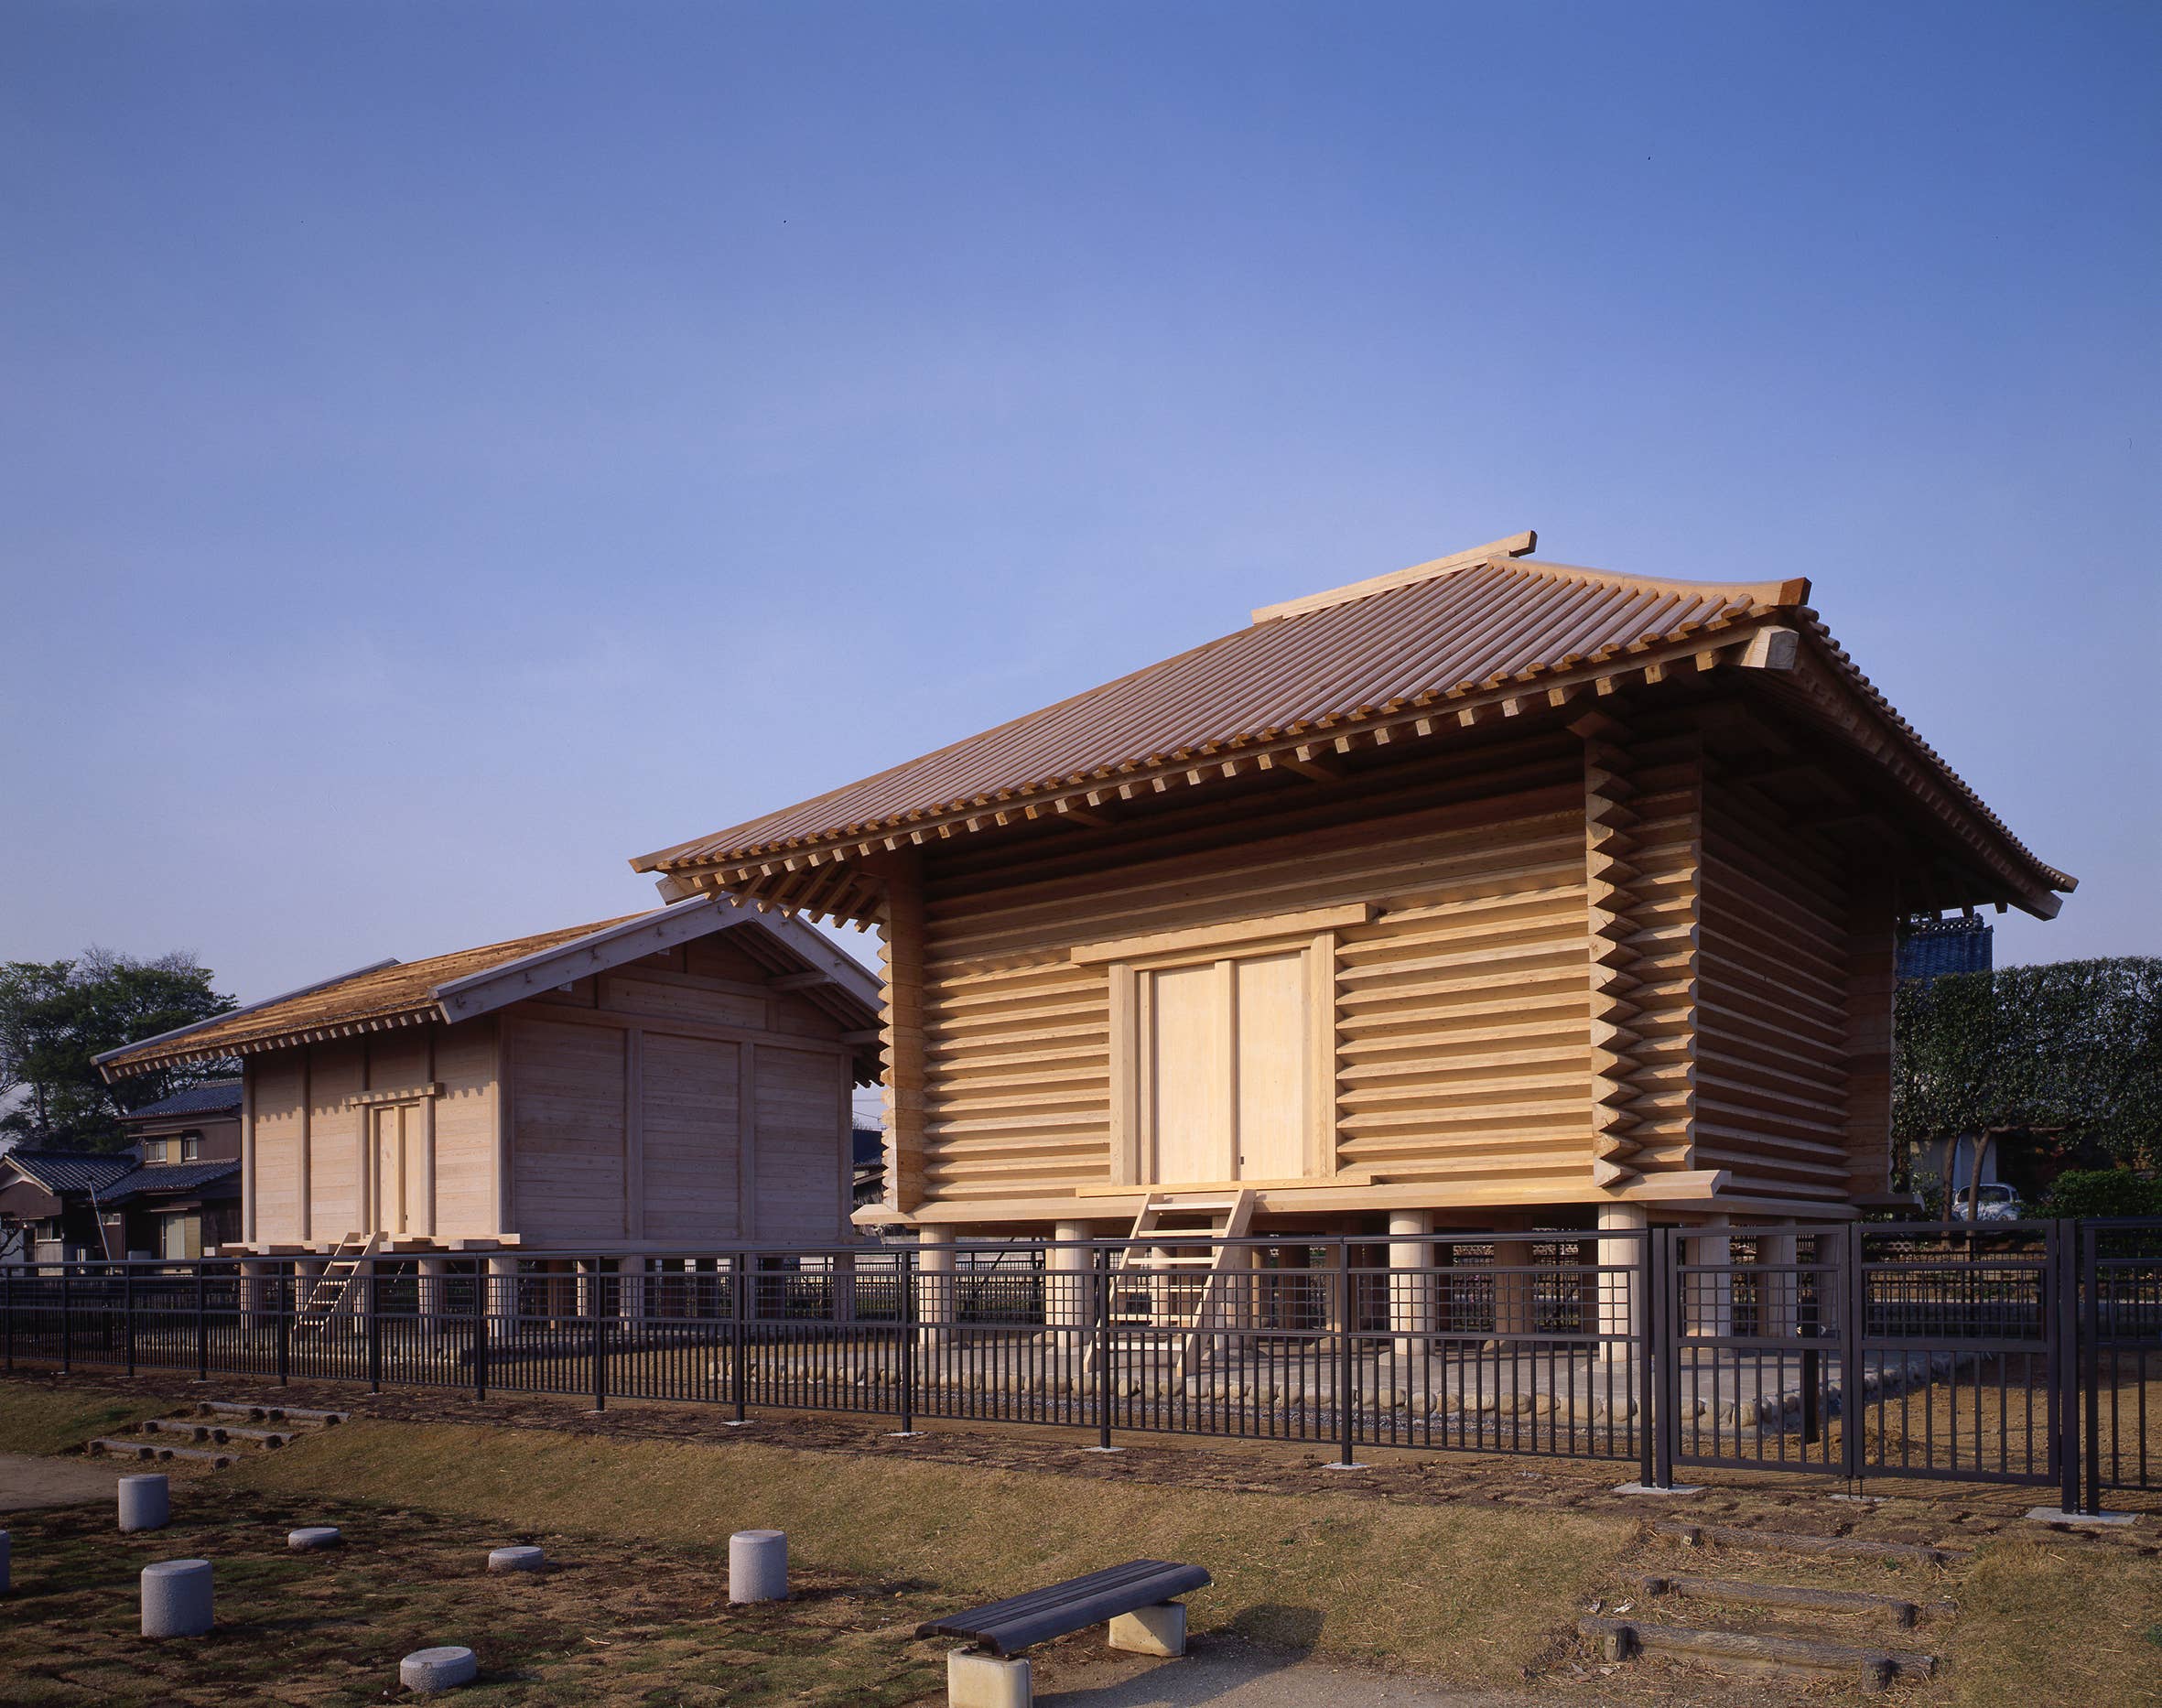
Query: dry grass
1478	1592
2045	1620
56	1420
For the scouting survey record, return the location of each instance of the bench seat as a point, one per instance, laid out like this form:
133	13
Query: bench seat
1006	1627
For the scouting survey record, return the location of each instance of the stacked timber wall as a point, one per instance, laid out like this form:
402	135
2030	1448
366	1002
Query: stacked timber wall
1461	1010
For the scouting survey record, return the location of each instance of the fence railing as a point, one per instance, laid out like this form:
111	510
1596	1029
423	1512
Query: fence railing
1998	1352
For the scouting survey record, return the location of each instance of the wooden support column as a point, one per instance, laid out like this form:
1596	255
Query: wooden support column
934	1287
1621	1265
902	959
1410	1279
1068	1303
1708	1299
1515	1300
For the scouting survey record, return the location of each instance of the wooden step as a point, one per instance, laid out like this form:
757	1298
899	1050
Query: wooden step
218	1433
1792	1657
276	1414
1781	1542
1903	1613
153	1452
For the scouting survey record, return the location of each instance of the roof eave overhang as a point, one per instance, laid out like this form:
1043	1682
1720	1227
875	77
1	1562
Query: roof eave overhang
821	875
843	987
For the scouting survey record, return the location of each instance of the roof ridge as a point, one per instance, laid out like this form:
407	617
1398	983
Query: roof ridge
1793	591
1513	546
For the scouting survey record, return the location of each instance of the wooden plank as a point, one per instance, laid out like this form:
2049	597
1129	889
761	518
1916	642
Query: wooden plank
1242	933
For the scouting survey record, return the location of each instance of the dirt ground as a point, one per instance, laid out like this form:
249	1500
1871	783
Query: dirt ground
31	1480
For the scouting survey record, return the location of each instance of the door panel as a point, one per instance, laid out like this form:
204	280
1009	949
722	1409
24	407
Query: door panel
1190	1079
1273	1046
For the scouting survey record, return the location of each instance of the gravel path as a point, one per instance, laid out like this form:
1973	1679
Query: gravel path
34	1479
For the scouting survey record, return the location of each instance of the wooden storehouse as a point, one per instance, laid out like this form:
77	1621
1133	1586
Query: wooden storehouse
665	1083
1491	892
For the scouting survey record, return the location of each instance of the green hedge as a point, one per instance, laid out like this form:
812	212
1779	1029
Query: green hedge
2103	1192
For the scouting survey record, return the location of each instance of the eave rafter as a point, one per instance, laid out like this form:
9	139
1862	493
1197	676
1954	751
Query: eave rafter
782	878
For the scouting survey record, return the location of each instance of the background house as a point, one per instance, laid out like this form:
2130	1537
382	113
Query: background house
174	1192
1491	892
662	1082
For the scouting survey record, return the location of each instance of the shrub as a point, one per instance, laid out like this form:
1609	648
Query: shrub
2103	1192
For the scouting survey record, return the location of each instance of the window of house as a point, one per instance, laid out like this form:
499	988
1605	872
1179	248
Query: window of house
1223	1052
153	1149
190	1147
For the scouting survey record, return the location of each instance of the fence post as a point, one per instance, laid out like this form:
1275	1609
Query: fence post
203	1321
7	1286
1346	1358
374	1295
736	1304
480	1328
66	1323
1103	1349
1651	1408
1668	1401
281	1313
2086	1250
908	1341
1854	1323
596	1297
127	1316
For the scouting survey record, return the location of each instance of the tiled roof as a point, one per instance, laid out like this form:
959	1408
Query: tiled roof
1481	622
71	1171
1435	633
171	1177
382	993
214	1097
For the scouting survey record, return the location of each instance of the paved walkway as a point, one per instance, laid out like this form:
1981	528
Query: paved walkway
36	1479
1223	1673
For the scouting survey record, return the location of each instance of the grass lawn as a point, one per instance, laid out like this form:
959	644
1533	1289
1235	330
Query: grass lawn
56	1420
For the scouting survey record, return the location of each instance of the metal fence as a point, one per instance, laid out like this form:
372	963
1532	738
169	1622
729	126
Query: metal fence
2026	1353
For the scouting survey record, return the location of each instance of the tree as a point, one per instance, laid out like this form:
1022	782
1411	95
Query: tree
2068	1052
55	1016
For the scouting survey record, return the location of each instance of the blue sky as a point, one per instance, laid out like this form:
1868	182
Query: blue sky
447	450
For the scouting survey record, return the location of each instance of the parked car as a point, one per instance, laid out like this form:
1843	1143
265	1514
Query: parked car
1999	1204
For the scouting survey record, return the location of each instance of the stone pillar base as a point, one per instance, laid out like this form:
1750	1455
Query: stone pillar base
974	1680
1158	1630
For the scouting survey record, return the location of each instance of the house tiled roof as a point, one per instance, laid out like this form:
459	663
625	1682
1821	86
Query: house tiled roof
457	987
214	1097
383	993
71	1171
171	1177
1323	665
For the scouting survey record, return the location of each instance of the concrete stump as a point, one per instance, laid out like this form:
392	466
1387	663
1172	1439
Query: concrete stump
177	1598
312	1537
444	1668
974	1680
1158	1630
145	1502
758	1566
513	1559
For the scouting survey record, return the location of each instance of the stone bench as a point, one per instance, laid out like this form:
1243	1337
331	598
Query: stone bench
1135	1600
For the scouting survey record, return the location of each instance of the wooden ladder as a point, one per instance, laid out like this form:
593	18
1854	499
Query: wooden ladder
326	1294
1167	1265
